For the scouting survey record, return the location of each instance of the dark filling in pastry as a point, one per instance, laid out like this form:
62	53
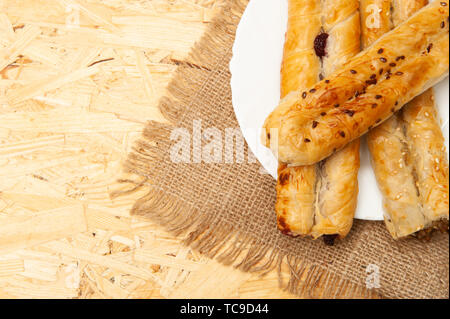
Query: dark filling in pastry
329	239
320	44
438	226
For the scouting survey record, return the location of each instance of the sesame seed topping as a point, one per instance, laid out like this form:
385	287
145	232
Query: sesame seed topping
323	113
315	123
327	81
392	64
304	95
380	51
374	106
353	72
307	140
336	105
378	97
349	112
444	4
442	24
342	133
383	60
312	91
399	73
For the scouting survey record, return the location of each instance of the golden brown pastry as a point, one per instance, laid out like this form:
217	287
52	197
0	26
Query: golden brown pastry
403	9
318	200
395	176
411	167
301	66
313	124
429	159
408	154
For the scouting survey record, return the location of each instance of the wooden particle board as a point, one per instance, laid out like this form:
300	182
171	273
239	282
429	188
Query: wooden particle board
77	78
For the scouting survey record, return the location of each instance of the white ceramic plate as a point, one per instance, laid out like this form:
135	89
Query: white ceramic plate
255	69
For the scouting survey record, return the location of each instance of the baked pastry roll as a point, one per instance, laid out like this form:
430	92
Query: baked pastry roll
318	200
429	159
313	124
408	151
411	167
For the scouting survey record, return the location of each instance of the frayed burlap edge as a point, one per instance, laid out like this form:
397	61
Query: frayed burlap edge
203	232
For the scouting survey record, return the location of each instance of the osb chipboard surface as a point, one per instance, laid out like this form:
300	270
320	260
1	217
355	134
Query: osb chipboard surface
78	80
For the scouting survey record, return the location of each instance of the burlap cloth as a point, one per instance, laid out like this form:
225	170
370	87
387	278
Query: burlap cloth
226	210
